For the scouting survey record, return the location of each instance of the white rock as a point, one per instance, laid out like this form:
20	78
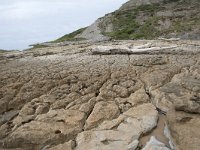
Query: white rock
133	145
131	127
102	140
146	114
154	144
168	135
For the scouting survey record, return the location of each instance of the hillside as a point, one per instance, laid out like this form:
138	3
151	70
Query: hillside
145	19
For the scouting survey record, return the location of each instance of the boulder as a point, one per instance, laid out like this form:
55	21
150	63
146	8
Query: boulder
182	92
184	129
146	114
54	127
102	111
105	140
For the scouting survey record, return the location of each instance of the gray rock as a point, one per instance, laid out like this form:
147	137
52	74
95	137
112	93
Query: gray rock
53	127
7	116
154	144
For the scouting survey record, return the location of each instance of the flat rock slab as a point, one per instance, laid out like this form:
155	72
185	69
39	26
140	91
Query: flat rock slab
143	49
184	129
154	144
128	129
53	127
102	111
50	97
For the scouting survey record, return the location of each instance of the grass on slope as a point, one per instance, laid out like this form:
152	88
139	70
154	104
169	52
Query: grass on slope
70	37
126	26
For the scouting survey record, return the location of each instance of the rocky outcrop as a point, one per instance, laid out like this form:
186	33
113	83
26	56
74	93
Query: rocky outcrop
129	127
184	129
49	128
93	32
154	144
147	19
102	111
67	97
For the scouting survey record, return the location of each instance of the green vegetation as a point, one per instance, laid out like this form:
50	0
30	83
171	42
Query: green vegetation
7	51
142	23
180	25
147	30
148	9
70	37
36	54
126	26
2	51
39	46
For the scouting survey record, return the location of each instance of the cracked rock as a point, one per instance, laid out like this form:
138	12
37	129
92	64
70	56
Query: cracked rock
53	127
102	111
53	97
154	144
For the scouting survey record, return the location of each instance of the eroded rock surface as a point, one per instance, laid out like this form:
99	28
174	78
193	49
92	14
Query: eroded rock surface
70	98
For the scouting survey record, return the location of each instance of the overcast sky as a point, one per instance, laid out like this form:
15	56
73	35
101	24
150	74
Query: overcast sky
24	22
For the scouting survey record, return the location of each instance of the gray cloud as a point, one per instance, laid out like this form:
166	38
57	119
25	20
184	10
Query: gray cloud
23	22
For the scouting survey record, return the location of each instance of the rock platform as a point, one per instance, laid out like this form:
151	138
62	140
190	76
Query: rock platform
70	98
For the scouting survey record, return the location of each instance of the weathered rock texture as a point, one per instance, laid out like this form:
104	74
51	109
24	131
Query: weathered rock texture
148	19
68	97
